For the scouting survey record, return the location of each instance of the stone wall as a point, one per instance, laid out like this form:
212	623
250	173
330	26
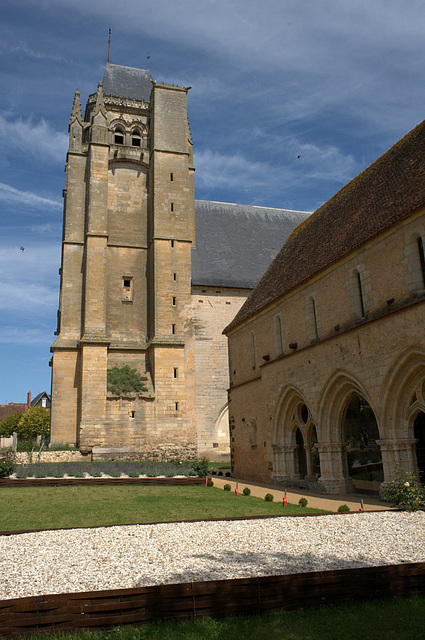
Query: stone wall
377	351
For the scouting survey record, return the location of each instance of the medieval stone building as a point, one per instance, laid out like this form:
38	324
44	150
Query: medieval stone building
149	277
327	356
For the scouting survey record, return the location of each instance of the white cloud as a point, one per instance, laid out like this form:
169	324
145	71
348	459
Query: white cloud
37	139
10	195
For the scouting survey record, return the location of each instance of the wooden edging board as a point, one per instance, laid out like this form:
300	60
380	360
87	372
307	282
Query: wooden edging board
66	482
215	598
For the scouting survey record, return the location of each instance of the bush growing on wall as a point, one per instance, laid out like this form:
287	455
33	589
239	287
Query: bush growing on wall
125	380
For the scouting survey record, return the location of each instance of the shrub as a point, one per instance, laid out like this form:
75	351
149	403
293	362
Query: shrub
269	497
200	467
405	492
227	474
125	380
303	502
7	467
246	491
10	424
220	473
343	508
34	422
227	487
210	483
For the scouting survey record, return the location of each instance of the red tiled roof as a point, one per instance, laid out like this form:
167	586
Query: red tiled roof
13	407
387	191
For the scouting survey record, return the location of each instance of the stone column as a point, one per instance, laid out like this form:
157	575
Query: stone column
333	468
284	463
397	454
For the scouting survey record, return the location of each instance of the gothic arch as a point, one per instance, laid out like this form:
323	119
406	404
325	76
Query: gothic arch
285	425
404	393
335	396
221	430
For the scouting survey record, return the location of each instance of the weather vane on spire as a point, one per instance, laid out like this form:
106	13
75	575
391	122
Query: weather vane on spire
109	42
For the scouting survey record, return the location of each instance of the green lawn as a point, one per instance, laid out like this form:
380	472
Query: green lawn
55	507
400	619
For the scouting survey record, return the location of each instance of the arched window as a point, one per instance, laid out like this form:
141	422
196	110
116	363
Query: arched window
136	138
119	135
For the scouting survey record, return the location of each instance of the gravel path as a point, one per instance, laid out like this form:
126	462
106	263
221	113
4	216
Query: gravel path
139	555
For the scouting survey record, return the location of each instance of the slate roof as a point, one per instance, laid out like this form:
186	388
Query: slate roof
384	193
236	243
127	82
37	400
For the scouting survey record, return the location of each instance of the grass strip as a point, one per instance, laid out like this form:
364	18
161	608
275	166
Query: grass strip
396	619
81	506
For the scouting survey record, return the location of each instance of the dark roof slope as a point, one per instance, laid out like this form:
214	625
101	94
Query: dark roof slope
387	191
127	82
236	243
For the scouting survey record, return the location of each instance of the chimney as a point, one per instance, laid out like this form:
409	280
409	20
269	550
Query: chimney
29	399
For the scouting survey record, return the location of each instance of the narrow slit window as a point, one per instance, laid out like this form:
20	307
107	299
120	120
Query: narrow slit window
176	406
127	289
313	307
175	373
174	276
171	177
172	244
174	301
422	258
361	300
173	329
172	207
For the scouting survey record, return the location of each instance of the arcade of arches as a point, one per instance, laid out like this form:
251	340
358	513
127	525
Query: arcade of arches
347	445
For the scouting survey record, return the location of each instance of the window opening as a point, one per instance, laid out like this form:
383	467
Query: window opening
174	276
313	307
253	352
173	329
175	373
171	177
176	406
422	257
172	207
127	289
119	136
359	282
172	244
174	301
136	139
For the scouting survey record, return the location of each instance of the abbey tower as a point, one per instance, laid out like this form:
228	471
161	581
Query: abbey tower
136	289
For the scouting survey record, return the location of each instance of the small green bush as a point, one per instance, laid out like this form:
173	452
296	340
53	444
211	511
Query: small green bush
210	483
269	497
7	467
246	491
343	508
200	467
227	487
303	502
405	492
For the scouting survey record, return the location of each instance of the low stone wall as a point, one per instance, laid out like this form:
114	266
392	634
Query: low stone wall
23	457
162	453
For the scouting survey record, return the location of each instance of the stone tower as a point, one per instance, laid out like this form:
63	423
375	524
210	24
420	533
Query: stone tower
129	225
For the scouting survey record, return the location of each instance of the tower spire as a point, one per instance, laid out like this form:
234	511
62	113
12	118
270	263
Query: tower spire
109	42
76	109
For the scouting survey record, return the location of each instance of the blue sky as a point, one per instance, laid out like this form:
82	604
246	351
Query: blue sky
335	82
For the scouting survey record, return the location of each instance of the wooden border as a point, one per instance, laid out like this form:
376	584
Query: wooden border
216	598
72	482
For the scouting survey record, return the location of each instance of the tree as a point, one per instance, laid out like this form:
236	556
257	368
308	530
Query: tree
10	424
34	422
125	381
